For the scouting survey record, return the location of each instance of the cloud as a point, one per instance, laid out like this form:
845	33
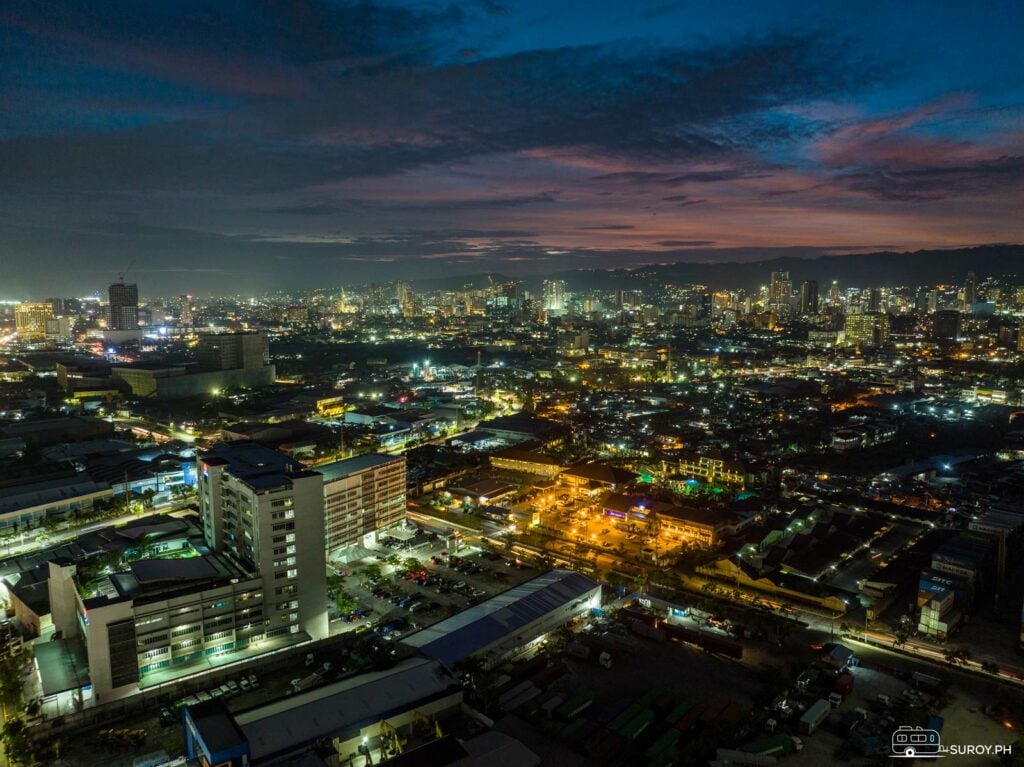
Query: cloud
607	228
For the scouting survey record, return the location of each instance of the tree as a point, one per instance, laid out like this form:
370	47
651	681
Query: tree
17	742
346	602
411	563
371	571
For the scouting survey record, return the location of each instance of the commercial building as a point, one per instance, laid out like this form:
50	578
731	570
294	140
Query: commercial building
362	496
180	381
266	513
529	462
225	361
232	351
870	329
30	320
510	623
348	717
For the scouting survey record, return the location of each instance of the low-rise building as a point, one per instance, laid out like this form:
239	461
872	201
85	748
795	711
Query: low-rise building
510	623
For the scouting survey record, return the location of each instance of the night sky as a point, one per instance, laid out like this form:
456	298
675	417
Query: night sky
257	145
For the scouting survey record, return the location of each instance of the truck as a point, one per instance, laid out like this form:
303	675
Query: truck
814	716
298	685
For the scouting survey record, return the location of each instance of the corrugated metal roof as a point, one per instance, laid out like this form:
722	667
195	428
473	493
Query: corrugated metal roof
340	708
472	630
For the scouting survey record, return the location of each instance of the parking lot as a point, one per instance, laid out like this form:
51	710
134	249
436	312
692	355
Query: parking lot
401	589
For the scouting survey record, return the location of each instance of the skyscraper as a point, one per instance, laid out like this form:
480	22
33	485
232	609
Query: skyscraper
185	312
874	300
970	291
835	298
554	296
779	290
123	311
809	298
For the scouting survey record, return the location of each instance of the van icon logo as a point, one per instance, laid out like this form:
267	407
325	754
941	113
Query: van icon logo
911	742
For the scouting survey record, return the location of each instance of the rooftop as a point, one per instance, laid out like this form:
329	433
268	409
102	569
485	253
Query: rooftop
475	629
343	707
350	466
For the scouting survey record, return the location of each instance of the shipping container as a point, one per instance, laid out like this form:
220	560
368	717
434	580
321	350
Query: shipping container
574	707
637	725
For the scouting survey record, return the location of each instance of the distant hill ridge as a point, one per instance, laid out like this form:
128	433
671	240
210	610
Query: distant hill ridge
880	269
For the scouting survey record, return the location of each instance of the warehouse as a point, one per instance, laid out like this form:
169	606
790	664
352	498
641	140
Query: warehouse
509	622
348	714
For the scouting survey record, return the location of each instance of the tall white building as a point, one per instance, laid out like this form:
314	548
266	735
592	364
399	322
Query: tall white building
264	511
362	496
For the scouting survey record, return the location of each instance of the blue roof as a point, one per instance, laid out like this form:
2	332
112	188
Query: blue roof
487	623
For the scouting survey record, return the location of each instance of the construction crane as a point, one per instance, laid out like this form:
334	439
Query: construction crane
121	274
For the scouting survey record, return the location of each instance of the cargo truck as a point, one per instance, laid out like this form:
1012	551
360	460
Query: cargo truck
814	716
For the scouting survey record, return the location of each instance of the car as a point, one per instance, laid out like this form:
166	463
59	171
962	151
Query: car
607	544
254	682
605	531
244	683
226	691
167	717
233	686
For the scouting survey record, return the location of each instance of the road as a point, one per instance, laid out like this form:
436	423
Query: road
30	543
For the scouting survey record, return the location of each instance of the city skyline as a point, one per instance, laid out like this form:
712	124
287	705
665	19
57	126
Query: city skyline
283	149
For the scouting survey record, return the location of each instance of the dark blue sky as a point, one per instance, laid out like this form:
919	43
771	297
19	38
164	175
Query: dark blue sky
288	144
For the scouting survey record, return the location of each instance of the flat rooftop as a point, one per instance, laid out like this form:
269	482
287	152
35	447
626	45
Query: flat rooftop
350	466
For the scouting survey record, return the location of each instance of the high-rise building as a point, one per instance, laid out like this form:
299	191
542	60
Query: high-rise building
874	300
186	314
266	513
779	290
869	329
1020	337
970	291
123	309
554	296
233	351
809	298
835	297
30	319
362	496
